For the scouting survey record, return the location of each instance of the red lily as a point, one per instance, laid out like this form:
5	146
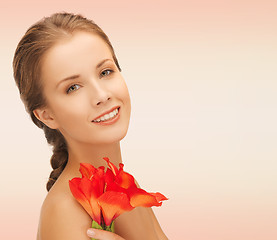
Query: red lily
106	195
88	189
120	181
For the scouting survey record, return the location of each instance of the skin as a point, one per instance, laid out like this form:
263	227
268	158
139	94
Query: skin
71	107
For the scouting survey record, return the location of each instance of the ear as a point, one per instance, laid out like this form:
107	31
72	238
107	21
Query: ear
45	116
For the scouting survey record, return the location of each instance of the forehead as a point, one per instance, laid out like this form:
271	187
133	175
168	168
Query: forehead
74	54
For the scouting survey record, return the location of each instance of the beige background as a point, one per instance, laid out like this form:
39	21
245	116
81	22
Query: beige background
202	79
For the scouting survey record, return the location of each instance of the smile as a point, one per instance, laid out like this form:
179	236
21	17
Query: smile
108	116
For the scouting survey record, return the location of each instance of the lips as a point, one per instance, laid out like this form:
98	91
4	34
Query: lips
106	112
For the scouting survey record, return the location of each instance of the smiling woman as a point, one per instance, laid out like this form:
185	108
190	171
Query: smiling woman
76	102
71	84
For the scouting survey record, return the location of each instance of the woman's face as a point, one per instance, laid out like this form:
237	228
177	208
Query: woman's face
81	82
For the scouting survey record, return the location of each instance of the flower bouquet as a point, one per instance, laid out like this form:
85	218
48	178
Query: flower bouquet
107	194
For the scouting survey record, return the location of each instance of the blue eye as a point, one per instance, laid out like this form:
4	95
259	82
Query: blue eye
106	72
72	88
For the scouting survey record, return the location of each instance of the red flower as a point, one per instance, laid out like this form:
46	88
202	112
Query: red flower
106	195
120	181
88	189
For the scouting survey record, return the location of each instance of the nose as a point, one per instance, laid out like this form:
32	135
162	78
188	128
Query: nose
100	95
102	101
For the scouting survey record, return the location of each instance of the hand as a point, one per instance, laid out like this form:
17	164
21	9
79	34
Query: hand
103	235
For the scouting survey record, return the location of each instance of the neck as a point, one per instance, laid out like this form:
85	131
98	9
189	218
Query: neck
92	154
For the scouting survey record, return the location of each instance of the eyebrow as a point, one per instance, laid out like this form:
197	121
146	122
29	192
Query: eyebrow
77	75
102	62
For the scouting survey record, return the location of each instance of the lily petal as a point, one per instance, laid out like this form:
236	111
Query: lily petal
113	204
159	197
125	179
111	165
79	195
87	170
85	193
139	197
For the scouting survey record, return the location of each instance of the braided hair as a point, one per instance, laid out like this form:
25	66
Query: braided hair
37	40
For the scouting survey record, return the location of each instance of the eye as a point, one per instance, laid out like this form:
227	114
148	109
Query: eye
73	87
106	72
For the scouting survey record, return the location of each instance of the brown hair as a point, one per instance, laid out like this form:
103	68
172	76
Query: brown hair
37	40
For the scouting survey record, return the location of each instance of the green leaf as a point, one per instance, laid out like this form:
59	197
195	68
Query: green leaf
110	228
96	226
107	228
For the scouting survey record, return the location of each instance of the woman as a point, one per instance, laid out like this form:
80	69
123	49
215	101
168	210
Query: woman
71	84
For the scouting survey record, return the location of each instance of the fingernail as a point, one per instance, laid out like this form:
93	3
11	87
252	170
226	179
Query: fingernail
90	233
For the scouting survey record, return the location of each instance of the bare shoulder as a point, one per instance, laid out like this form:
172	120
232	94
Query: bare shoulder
62	217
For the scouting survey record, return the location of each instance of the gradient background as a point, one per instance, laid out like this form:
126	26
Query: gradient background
203	83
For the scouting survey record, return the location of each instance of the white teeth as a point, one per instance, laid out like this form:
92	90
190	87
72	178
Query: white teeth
107	116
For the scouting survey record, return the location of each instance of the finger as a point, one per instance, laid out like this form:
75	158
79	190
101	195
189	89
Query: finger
102	234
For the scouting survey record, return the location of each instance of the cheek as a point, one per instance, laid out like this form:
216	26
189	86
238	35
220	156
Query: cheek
121	91
125	97
69	111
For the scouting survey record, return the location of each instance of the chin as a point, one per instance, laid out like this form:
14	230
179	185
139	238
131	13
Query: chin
112	138
109	137
116	134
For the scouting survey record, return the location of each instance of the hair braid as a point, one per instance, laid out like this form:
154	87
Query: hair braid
60	154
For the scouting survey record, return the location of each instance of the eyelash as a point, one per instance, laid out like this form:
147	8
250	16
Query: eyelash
68	90
110	70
